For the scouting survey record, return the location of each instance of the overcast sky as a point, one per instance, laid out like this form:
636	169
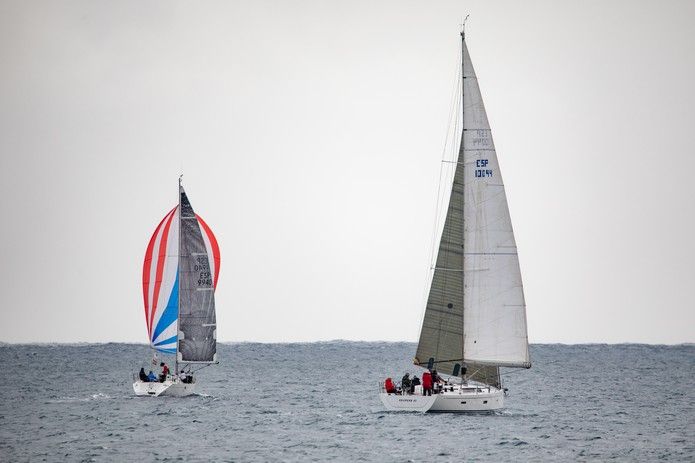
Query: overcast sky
310	135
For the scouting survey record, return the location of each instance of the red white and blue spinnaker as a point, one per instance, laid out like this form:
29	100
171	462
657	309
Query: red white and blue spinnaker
171	259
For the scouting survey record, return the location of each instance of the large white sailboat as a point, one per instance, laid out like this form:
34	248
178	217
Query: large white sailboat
179	277
475	317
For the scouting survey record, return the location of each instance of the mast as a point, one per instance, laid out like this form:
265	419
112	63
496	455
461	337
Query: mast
178	271
463	181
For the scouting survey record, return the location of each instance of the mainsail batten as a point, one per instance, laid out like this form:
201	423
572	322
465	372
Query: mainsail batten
475	314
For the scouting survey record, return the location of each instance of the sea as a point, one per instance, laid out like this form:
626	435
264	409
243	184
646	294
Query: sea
319	402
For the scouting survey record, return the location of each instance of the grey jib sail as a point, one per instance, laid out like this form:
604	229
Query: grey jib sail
197	324
475	314
441	337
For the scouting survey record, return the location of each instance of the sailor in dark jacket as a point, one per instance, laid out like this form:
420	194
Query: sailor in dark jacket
405	383
143	376
415	382
436	382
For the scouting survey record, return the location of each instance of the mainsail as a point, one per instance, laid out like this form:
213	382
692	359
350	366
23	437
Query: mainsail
475	314
179	277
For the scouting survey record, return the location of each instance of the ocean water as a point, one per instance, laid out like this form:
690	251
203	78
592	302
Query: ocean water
318	402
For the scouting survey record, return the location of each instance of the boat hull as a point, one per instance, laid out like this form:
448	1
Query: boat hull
452	400
462	403
168	388
407	403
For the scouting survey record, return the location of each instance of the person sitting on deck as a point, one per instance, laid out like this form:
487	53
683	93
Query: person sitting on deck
143	376
413	383
151	377
405	383
165	372
185	377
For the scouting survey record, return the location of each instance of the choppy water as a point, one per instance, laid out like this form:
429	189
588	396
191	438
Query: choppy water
300	402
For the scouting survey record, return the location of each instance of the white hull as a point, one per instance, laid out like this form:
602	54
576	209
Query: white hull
170	388
453	399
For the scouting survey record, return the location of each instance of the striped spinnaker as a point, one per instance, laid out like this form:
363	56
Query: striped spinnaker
160	278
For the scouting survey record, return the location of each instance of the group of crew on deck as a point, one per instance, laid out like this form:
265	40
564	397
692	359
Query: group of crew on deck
431	383
150	377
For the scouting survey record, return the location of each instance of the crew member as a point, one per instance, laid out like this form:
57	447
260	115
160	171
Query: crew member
165	372
413	383
405	383
427	383
436	380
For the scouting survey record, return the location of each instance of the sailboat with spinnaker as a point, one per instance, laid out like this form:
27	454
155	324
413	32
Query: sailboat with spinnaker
475	317
179	277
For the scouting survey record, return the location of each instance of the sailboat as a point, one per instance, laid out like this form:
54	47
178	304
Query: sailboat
475	316
179	277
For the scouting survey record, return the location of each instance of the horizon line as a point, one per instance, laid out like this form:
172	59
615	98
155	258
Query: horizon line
546	343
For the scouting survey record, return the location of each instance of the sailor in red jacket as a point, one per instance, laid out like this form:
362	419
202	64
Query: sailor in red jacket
427	383
165	372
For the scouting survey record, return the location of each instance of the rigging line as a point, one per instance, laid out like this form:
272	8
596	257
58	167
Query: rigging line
453	117
191	370
453	114
454	146
448	233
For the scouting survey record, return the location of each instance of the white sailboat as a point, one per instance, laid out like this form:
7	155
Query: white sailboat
179	277
475	317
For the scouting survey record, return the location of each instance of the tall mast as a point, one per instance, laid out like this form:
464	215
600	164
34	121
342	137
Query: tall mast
178	277
463	181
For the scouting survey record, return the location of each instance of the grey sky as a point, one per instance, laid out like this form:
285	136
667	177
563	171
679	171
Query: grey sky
310	134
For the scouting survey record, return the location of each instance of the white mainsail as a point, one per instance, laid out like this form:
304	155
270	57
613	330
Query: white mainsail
494	311
475	313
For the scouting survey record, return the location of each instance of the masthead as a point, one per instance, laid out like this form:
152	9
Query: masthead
463	27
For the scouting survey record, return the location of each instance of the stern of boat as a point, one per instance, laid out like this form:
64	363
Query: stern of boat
170	388
405	402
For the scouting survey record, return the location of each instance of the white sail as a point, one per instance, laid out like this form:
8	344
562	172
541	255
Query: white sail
494	313
475	314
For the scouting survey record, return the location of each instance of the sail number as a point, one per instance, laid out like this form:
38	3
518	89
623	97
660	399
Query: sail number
480	138
481	170
203	269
